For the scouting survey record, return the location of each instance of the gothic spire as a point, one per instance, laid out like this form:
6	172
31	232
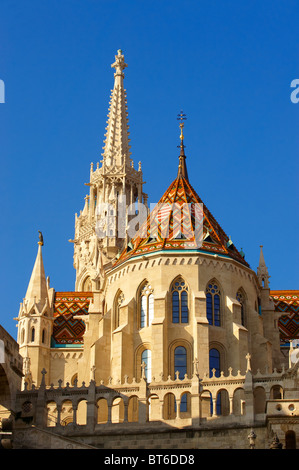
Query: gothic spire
37	291
262	270
117	148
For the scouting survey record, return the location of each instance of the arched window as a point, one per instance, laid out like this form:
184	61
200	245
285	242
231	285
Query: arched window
213	303
184	403
74	379
214	362
241	299
180	361
180	309
44	336
32	335
214	366
118	303
146	306
146	358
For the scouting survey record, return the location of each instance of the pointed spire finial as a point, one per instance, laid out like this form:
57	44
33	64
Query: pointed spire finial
119	64
182	158
41	238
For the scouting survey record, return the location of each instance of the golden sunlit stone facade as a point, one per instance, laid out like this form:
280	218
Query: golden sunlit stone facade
164	340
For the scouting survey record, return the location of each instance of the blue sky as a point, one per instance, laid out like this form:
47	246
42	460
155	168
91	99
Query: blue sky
227	65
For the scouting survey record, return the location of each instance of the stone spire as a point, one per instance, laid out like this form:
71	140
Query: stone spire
101	229
182	171
37	291
262	270
117	149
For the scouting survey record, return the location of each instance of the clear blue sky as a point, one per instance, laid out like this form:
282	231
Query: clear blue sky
227	64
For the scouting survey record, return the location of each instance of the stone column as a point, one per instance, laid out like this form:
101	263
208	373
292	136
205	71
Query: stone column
58	406
109	413
91	417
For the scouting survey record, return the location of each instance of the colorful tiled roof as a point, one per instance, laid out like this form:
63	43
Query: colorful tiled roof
287	303
163	227
68	330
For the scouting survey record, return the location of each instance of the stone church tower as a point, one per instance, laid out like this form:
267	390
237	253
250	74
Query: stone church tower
114	188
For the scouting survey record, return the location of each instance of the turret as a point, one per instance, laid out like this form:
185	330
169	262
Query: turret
269	316
35	321
262	271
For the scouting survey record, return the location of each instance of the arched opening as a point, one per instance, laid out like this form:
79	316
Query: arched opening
213	303
102	405
259	396
74	380
66	416
169	406
214	366
241	298
154	408
222	403
185	405
117	410
145	305
22	335
290	440
133	406
44	336
180	303
51	414
214	362
180	361
82	412
32	335
146	358
205	403
276	392
239	402
86	286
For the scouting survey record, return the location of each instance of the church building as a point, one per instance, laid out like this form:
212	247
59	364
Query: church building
170	339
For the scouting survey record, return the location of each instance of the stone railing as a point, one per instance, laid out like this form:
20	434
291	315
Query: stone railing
192	401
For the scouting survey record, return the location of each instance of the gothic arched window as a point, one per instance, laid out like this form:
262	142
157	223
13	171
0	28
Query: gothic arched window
180	361
214	362
146	306
180	309
146	358
44	336
213	303
241	299
32	335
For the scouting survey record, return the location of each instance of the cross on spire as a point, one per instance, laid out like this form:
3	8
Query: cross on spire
182	158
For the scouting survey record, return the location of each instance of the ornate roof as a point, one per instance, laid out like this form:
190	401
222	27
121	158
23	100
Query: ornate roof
68	330
180	221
